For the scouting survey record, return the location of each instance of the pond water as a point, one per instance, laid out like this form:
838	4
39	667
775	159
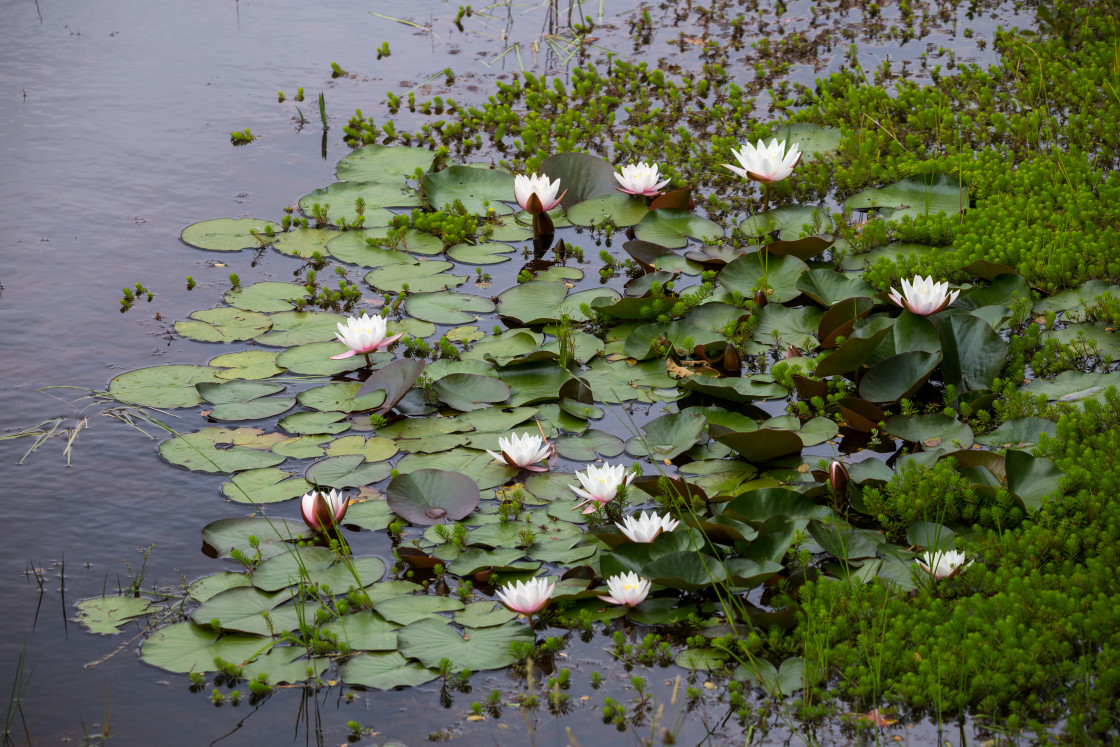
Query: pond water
114	136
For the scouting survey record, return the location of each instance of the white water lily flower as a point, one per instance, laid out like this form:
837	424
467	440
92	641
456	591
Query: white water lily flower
527	597
321	510
365	335
640	179
646	527
600	484
765	163
629	589
526	187
943	564
523	451
923	296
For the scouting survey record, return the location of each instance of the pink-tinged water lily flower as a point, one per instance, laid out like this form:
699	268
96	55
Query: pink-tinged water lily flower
536	194
600	484
923	296
838	477
321	510
629	589
523	451
943	564
640	179
365	336
646	527
527	597
765	163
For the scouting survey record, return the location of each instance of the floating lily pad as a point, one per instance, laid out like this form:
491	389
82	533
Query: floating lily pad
406	610
230	234
589	446
314	359
299	327
811	139
209	586
266	296
668	436
385	671
1031	478
305	242
914	196
186	647
794	221
352	247
374	449
581	176
776	682
482	468
244	400
432	496
395	379
447	307
429	641
775	276
542	301
320	566
826	287
973	353
479	190
349	471
898	376
467	392
312	423
365	631
270	535
618	209
483	615
377	162
222	450
671	228
1018	433
248	364
426	276
105	615
931	431
341	197
266	485
162	386
490	253
340	396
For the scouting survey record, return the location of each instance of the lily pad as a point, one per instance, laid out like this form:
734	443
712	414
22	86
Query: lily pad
352	247
467	392
244	400
432	496
187	647
312	423
447	307
299	327
395	379
429	641
314	359
914	196
266	296
230	234
266	485
248	364
377	162
777	277
406	610
811	139
618	209
490	253
320	566
341	197
542	301
349	471
305	242
385	671
162	386
671	228
105	615
222	450
426	276
270	535
340	396
480	190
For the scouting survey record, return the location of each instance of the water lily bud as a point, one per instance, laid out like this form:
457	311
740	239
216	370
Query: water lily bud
792	352
731	360
838	477
760	298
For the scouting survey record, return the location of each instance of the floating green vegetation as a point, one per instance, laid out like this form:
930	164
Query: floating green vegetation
757	361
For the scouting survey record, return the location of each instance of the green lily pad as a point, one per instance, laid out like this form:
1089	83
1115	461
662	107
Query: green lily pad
426	276
530	383
483	615
314	359
467	392
365	631
1073	301
1074	386
827	287
230	234
222	450
385	671
581	176
299	327
248	364
374	449
447	307
668	436
811	139
490	253
341	197
303	447
898	376
162	386
432	496
776	682
352	247
187	647
589	446
914	196
244	400
429	641
270	535
406	610
266	296
671	228
395	379
543	301
479	190
377	162
931	431
618	209
305	242
320	566
349	471
312	423
1018	433
266	485
776	276
482	468
340	396
105	615
1031	478
973	353
209	586
688	570
240	610
791	220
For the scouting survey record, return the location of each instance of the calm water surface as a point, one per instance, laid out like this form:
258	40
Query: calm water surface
114	135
